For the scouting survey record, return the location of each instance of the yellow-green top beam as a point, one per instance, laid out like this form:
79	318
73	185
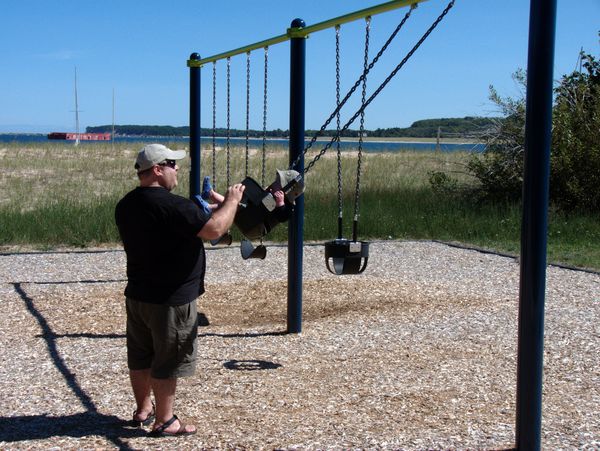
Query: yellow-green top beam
305	31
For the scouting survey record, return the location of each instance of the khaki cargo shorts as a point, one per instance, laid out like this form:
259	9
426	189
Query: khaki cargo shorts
162	338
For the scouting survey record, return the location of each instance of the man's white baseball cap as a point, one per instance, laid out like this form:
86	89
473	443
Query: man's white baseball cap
153	154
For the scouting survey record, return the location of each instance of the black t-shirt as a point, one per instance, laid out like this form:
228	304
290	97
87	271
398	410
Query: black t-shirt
165	258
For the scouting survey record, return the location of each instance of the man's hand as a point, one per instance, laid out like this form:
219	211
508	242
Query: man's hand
222	218
235	193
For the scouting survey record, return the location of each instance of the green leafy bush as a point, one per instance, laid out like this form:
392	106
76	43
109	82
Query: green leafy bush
499	169
575	157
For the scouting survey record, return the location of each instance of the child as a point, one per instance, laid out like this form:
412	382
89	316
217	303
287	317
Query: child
277	208
213	199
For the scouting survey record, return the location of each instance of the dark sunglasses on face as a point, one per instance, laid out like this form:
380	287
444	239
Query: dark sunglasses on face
170	163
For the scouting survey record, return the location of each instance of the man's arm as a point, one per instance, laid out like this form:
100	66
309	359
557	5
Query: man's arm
222	218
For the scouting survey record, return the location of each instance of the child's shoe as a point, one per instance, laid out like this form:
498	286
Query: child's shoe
206	188
202	204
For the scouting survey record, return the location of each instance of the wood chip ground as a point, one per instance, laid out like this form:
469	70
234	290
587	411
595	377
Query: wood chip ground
419	352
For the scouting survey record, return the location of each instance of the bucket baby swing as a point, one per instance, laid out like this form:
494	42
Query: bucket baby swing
350	256
255	217
257	212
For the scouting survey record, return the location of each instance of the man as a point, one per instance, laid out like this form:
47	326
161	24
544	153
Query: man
162	236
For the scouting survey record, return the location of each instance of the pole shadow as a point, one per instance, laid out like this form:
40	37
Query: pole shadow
87	423
41	427
245	335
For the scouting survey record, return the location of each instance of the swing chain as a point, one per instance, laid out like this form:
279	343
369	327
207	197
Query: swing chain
375	94
214	127
247	109
264	143
337	98
228	120
362	120
349	94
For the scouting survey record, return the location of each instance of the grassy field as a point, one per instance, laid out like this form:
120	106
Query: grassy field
58	195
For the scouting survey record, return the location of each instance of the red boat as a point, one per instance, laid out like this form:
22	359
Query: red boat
80	136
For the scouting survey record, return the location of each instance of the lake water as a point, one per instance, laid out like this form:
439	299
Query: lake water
206	142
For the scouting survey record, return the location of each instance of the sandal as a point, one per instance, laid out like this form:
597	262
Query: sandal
145	422
160	431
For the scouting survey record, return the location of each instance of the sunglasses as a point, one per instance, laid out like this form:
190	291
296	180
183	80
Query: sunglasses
169	163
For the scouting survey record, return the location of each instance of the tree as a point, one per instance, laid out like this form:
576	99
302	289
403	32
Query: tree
575	154
575	157
500	168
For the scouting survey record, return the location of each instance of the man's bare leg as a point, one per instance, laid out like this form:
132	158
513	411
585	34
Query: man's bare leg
140	383
164	394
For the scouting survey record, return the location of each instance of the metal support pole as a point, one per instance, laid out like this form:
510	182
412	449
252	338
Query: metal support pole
194	127
296	223
304	31
534	226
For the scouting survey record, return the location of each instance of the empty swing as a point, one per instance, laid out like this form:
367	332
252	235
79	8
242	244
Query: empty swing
343	256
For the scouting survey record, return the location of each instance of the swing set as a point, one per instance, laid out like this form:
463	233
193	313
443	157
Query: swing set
350	256
255	216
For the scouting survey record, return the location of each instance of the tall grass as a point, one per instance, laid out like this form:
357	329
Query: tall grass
55	194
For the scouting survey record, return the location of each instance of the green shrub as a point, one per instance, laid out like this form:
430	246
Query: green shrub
499	169
575	153
575	157
442	183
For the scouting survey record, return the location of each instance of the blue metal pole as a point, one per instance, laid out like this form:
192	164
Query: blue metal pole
534	226
194	127
296	223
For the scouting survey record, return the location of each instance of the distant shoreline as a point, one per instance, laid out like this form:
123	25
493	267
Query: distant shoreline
379	139
410	140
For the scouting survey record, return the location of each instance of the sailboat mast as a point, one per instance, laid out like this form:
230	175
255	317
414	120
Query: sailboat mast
76	111
112	136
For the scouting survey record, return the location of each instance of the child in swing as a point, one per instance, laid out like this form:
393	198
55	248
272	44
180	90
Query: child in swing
210	199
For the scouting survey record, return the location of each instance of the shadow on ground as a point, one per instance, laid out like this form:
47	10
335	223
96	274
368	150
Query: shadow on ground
39	427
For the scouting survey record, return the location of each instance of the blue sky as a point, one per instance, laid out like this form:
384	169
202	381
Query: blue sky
139	50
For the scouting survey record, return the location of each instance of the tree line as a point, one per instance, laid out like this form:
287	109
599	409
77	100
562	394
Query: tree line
466	127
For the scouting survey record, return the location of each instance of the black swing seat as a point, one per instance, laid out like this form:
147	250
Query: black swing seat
344	256
254	217
225	239
249	251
